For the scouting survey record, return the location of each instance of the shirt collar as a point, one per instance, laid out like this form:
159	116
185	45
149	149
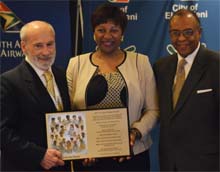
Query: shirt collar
37	70
190	58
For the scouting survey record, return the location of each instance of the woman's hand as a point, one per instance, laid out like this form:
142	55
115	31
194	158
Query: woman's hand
89	161
132	142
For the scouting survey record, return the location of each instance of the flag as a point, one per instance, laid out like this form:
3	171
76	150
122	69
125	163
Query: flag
9	21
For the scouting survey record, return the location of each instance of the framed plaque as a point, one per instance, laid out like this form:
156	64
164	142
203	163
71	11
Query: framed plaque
89	133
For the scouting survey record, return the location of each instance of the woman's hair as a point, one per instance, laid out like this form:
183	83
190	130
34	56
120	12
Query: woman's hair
108	12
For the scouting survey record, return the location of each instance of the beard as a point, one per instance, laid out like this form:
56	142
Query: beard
42	62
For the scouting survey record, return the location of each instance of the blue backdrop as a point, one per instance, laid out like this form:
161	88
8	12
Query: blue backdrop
55	12
147	30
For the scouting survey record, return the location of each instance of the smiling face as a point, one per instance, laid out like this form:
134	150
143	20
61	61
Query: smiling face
185	34
108	37
39	45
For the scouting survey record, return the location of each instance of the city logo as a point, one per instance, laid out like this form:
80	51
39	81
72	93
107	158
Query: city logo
131	48
10	23
119	1
171	50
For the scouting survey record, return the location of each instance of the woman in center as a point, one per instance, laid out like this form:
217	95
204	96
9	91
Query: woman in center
110	77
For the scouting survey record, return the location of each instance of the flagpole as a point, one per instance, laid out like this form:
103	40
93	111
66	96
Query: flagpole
77	26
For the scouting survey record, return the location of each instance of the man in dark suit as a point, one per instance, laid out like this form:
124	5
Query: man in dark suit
189	129
25	100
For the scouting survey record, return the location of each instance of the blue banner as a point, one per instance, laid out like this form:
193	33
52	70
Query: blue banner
147	32
16	13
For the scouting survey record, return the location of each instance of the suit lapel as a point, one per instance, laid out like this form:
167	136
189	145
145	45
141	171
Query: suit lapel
170	79
165	79
61	84
37	89
196	72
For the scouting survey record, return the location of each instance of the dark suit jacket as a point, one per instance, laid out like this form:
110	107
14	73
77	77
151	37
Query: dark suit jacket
189	134
24	102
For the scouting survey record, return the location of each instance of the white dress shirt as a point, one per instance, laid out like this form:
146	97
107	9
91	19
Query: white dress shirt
189	59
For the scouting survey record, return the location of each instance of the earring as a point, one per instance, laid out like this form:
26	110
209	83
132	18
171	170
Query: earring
122	38
94	38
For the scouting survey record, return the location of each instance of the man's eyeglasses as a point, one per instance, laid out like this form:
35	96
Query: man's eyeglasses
186	33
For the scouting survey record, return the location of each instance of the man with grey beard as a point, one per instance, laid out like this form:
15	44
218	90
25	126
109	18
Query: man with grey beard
25	99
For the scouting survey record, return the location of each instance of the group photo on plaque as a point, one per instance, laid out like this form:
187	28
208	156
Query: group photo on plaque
89	133
67	133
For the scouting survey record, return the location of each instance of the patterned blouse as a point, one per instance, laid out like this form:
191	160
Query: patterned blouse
106	90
